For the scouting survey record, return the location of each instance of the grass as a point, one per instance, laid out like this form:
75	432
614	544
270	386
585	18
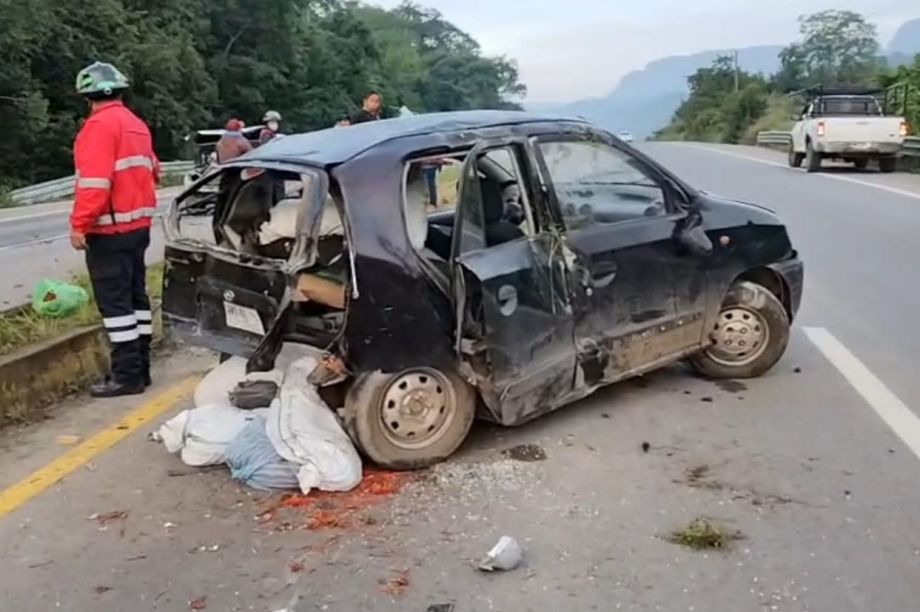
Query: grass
703	534
26	327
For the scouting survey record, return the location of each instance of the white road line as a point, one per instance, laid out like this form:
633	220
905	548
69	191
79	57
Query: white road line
37	215
834	177
886	404
28	243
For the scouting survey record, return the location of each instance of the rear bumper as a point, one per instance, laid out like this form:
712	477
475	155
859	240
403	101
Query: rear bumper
858	149
792	272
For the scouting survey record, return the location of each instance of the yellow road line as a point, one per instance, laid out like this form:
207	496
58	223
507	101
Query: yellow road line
41	479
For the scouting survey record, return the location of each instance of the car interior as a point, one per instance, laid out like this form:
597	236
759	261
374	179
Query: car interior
431	228
260	212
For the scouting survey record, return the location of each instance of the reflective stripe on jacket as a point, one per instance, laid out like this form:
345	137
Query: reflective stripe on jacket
117	172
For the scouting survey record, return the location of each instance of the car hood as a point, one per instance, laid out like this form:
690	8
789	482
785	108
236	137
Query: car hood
719	211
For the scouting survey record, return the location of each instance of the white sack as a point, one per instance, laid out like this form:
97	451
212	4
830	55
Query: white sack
305	431
214	389
202	434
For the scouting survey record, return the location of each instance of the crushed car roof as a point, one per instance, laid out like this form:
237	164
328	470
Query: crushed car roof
336	145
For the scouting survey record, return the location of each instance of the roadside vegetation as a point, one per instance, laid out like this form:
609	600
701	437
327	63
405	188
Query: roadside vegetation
704	534
836	48
196	63
25	327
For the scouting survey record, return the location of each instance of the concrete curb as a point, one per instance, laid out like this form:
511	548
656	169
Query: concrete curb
36	376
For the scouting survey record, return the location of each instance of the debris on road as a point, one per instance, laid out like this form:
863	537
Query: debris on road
525	452
67	439
702	533
397	584
505	556
108	518
199	603
646	447
100	589
442	607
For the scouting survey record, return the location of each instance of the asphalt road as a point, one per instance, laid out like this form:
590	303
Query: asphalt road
811	464
34	244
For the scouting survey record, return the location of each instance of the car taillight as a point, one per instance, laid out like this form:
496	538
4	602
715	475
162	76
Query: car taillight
822	129
905	129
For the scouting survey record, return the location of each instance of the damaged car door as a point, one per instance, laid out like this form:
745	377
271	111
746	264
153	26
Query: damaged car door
224	287
514	315
641	293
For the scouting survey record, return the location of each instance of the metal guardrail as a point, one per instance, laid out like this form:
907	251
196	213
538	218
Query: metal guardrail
910	148
63	187
769	139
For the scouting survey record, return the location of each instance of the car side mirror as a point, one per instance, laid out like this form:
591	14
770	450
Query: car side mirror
690	236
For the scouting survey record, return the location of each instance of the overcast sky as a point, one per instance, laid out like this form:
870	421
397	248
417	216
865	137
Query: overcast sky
571	49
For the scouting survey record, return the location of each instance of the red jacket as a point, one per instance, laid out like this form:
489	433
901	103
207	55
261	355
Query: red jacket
117	172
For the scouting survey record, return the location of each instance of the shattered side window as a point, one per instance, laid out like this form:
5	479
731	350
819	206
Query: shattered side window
192	217
596	183
259	211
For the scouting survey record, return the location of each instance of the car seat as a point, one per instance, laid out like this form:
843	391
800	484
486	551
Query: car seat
499	229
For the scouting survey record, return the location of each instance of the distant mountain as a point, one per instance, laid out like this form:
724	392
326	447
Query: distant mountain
906	40
645	100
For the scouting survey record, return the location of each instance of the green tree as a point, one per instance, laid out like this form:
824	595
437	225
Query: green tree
836	48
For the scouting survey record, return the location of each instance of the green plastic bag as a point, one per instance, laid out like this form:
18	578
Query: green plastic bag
56	299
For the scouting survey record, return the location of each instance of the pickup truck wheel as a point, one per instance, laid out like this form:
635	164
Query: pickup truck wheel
888	164
410	419
750	336
812	158
795	159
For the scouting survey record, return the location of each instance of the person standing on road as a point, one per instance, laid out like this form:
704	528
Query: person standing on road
115	201
272	120
370	109
233	143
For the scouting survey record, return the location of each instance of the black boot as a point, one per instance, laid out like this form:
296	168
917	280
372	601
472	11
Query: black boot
109	387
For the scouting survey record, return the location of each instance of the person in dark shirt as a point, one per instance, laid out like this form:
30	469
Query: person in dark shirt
370	109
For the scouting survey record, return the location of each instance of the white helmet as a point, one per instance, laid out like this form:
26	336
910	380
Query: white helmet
272	116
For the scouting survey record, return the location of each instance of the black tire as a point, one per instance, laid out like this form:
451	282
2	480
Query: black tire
888	164
224	357
375	394
861	164
795	159
749	311
812	158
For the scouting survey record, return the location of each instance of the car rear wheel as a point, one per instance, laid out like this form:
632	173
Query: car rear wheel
410	419
749	337
812	158
795	159
887	164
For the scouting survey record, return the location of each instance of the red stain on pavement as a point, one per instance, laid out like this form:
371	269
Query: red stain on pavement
335	510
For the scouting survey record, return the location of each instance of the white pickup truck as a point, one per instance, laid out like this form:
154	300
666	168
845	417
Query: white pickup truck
852	128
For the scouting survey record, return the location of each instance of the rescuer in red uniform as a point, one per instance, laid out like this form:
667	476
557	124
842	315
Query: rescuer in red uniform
116	176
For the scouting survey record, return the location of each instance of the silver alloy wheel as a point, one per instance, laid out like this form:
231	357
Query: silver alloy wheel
417	408
740	336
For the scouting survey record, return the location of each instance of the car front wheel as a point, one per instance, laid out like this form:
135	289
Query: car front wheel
795	159
410	419
749	337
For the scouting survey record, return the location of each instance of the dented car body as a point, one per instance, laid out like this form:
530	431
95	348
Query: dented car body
600	265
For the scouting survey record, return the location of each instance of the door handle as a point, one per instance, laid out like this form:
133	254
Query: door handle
603	273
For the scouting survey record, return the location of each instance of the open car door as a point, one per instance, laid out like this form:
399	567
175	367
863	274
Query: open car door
514	316
219	294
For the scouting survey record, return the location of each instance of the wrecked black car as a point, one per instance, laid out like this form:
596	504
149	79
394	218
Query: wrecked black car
553	260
